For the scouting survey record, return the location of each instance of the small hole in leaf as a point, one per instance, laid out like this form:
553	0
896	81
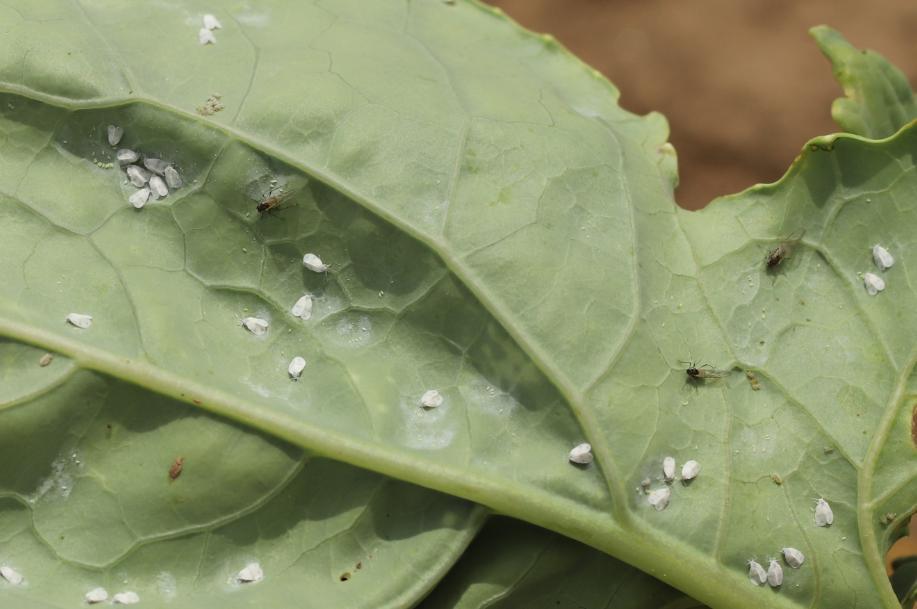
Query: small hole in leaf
345	576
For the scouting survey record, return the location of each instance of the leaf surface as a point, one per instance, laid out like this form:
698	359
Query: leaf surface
511	564
497	229
878	99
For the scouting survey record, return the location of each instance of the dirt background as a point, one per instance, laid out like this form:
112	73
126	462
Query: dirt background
741	82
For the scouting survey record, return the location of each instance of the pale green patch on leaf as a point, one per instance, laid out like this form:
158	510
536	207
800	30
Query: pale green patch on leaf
878	98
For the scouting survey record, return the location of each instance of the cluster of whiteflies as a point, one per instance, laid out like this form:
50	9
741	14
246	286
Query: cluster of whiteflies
153	177
773	576
884	260
205	34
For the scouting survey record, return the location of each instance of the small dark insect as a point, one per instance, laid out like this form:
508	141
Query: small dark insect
703	372
177	465
783	251
272	202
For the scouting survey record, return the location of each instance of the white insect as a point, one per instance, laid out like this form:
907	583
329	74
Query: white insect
79	320
314	263
824	516
125	598
211	22
158	187
115	134
668	468
96	595
205	36
756	573
874	284
881	256
11	575
137	175
302	308
793	557
256	325
297	365
431	399
139	198
157	166
690	470
774	574
250	574
172	178
659	498
581	454
126	156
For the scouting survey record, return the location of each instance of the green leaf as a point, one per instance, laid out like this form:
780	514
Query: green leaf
878	98
91	503
512	564
498	229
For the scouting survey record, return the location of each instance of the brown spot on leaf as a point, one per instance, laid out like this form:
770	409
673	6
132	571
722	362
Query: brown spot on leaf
345	576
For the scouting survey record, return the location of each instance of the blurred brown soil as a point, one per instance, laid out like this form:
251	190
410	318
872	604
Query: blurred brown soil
741	82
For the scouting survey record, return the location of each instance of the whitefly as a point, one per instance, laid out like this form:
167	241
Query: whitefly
115	134
431	399
79	320
824	515
668	468
256	325
96	595
793	557
126	156
137	175
756	573
211	22
205	36
581	454
302	308
659	498
314	263
139	198
690	470
250	574
158	187
297	365
11	575
157	166
774	574
882	257
874	284
173	179
125	598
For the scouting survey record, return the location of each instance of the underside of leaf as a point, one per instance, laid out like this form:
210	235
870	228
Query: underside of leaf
496	230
